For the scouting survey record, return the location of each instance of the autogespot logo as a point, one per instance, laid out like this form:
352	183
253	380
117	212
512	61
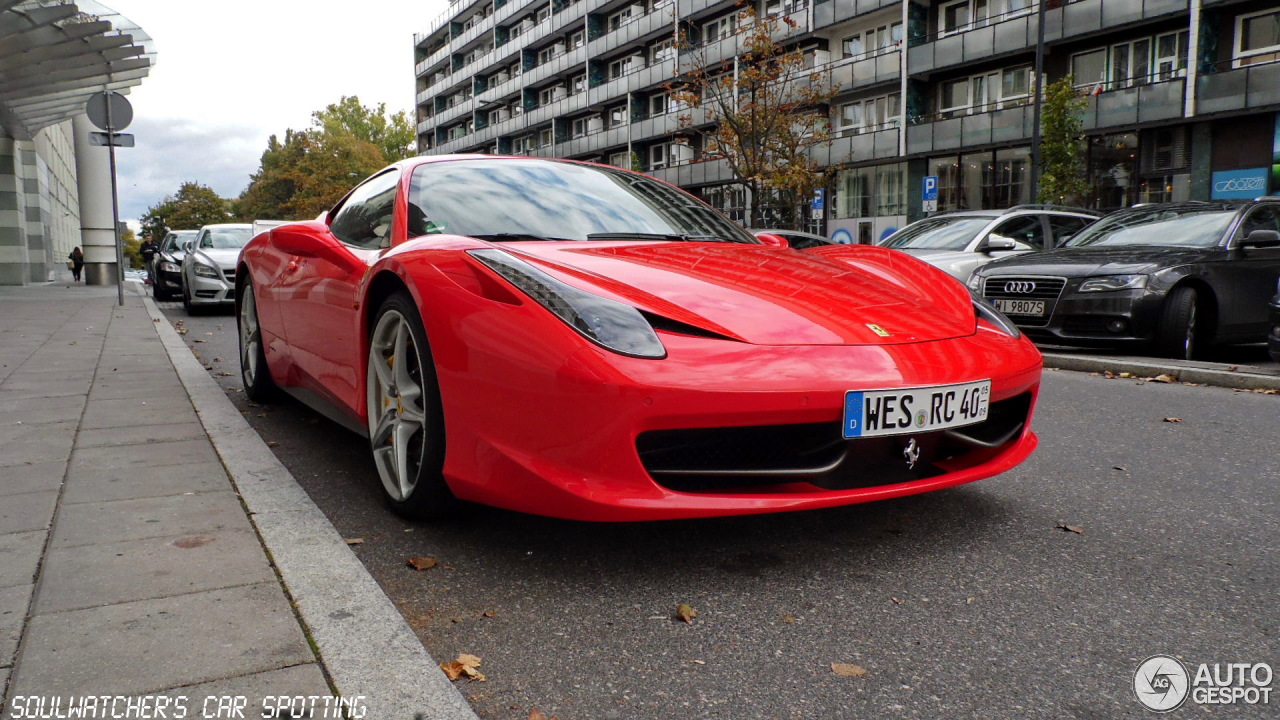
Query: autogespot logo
1161	683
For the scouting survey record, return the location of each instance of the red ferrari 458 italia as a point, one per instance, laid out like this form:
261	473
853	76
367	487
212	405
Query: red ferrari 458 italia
585	342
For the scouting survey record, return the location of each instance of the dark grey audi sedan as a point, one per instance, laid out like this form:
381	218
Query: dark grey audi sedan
1174	277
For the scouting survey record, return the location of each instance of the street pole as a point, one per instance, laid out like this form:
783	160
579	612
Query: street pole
115	202
1039	90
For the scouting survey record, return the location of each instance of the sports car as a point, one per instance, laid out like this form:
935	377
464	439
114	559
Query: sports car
584	342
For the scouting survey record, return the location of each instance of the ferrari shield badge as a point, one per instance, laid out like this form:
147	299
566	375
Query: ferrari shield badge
878	330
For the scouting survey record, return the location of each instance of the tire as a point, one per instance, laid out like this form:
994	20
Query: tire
255	375
1178	333
159	294
406	420
191	308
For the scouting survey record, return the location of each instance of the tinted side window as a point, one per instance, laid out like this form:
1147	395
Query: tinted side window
365	219
1027	230
1260	218
1064	226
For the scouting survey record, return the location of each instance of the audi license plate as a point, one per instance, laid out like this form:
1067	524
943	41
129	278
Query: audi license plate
1019	307
870	413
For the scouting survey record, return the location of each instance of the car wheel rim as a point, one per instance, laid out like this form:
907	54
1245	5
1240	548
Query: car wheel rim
397	419
250	337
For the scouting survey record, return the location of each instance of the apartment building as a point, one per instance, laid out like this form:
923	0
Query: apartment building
1183	95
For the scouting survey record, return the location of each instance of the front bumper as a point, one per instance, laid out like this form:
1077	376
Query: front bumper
169	280
212	291
1121	317
571	435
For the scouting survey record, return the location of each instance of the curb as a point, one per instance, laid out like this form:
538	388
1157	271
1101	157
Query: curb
363	642
1144	368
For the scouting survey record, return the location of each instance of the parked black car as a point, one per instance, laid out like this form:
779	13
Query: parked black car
1175	276
166	266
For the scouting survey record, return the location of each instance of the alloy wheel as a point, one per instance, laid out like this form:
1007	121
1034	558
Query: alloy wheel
397	419
250	337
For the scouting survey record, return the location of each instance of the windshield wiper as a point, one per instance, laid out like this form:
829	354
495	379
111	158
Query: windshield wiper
510	237
661	237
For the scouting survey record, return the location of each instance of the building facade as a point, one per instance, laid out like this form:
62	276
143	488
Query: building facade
1183	95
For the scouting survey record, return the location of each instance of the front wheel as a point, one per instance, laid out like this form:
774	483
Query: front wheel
406	421
1177	335
254	373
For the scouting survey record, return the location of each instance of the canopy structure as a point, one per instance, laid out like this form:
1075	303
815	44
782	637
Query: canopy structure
54	54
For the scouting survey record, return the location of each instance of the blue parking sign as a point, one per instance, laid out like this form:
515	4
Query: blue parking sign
929	191
819	199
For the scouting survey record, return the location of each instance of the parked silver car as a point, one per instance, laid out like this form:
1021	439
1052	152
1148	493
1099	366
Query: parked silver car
209	269
962	241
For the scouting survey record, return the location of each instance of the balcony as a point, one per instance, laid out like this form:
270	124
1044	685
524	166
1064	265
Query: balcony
425	126
714	171
1007	34
661	126
450	114
473	32
1082	17
1246	88
572	60
638	28
863	70
689	8
594	143
834	11
983	128
874	145
1141	104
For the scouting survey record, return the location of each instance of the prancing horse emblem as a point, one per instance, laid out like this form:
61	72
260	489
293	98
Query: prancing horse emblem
912	453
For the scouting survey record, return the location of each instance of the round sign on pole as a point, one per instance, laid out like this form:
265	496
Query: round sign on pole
121	111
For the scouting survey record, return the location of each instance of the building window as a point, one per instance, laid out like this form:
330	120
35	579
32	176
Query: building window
719	28
659	104
1257	38
660	51
962	15
577	39
620	159
578	84
551	94
1128	64
1089	69
542	14
617	116
546	136
873	41
870	114
579	128
624	16
1171	55
659	155
985	92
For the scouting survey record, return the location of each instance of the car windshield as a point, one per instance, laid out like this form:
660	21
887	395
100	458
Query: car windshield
227	238
939	233
528	199
177	240
1181	227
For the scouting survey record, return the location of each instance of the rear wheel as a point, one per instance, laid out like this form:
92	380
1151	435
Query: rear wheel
406	421
254	373
1178	334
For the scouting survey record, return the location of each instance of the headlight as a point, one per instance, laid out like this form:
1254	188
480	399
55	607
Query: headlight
169	267
613	325
1113	282
975	283
986	311
202	270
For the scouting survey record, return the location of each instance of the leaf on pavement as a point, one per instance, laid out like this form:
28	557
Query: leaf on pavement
847	670
788	618
423	563
1121	468
1071	528
272	443
466	666
686	613
199	340
223	373
1173	420
1163	379
536	714
353	541
489	613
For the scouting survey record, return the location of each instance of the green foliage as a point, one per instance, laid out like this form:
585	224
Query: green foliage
192	206
312	169
1062	171
132	249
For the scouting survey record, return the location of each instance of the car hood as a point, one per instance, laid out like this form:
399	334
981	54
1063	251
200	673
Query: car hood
225	259
764	295
1085	261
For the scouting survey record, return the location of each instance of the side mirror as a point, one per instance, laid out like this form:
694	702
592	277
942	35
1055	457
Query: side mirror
997	243
1262	239
773	240
307	241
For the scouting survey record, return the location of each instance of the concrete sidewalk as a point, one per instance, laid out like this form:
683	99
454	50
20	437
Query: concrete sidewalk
129	562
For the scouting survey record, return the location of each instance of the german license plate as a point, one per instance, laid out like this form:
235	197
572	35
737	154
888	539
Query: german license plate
1019	307
902	411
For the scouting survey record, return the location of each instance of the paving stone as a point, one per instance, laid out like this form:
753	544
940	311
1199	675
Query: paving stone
96	485
139	434
161	384
13	612
120	457
109	573
27	512
140	647
36	477
47	384
25	444
43	410
20	557
158	413
305	680
120	520
8	394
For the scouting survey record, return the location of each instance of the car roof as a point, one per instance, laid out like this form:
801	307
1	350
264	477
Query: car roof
1021	209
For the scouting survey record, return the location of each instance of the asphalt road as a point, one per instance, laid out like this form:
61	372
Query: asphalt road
966	603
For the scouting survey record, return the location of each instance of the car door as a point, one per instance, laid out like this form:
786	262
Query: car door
1026	230
319	312
1251	276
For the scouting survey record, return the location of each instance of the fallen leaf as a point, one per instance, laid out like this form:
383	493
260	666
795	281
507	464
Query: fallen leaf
698	662
788	618
217	359
1173	420
896	601
1121	468
223	373
353	541
464	665
1108	374
686	613
535	714
1071	528
199	340
1125	375
208	333
423	563
1163	379
489	613
155	319
1232	368
969	601
847	670
272	443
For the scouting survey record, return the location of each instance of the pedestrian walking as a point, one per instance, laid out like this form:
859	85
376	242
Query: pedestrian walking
76	259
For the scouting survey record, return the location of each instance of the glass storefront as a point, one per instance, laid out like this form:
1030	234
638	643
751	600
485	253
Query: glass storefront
870	192
983	181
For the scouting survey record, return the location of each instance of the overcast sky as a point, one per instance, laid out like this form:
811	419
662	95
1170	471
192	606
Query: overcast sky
231	73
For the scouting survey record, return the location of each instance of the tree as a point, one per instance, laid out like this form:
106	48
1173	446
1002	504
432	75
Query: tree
762	114
132	249
394	136
1062	171
192	206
